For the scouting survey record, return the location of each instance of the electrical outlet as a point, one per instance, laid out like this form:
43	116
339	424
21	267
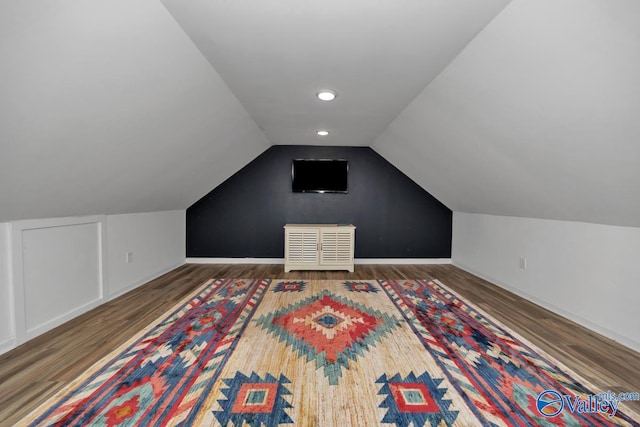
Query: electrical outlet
523	263
128	257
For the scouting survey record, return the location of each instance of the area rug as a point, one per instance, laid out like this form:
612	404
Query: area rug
328	353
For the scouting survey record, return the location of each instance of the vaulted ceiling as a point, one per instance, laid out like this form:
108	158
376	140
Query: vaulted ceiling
378	55
525	108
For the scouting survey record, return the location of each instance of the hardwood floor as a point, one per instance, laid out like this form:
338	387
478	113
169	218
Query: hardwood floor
37	369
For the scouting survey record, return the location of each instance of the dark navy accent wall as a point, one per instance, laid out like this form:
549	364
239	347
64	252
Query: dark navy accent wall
244	216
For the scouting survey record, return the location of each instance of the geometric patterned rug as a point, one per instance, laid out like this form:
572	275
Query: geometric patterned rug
329	353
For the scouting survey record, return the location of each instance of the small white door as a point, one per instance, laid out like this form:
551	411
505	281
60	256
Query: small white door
302	246
337	247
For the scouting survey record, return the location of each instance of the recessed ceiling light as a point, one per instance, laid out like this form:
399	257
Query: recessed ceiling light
322	132
326	95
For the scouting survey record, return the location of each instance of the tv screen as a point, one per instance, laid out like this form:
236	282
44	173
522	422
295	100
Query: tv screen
319	176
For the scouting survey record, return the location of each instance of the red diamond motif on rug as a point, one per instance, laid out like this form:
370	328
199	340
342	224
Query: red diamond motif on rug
329	329
413	397
328	325
255	398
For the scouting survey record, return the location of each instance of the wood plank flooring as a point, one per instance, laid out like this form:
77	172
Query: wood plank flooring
34	371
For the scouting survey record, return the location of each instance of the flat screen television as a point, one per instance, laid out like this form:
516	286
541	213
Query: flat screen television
319	175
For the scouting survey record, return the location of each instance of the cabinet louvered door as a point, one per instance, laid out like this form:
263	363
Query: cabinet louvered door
302	246
336	247
319	247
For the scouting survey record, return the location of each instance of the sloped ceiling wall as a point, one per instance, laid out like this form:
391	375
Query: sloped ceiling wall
537	117
108	107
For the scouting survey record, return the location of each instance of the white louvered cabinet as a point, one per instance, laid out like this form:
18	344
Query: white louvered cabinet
318	247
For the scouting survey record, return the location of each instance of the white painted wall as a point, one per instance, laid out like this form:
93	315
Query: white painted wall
156	241
6	307
586	272
54	268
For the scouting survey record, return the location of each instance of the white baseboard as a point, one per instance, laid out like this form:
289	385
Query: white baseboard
11	343
141	282
59	320
7	345
235	260
422	261
634	345
281	261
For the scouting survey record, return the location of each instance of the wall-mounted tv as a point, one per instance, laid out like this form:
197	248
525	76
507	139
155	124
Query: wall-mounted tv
319	175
